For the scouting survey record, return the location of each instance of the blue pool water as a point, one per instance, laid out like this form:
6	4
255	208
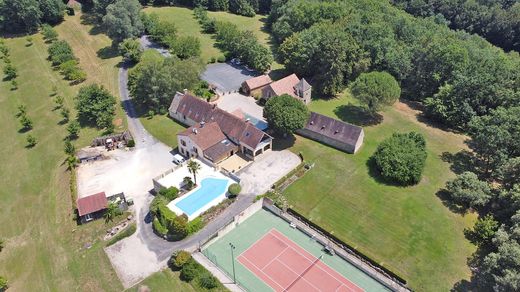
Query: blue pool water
210	188
258	123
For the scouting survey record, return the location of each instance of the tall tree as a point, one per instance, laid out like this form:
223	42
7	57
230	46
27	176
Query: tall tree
52	11
122	20
19	15
95	105
467	190
285	114
376	90
194	168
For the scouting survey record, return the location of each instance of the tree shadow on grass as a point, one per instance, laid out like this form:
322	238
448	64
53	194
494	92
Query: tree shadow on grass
108	52
459	162
24	130
446	200
357	115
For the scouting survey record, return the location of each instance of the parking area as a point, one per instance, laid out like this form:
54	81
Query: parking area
226	77
258	177
130	172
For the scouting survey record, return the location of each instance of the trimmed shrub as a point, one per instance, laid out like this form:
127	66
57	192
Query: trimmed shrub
234	190
189	271
401	158
208	281
169	193
130	143
31	141
156	203
60	52
221	59
179	259
159	228
194	225
3	284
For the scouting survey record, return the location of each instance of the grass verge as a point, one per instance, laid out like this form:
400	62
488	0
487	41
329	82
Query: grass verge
123	234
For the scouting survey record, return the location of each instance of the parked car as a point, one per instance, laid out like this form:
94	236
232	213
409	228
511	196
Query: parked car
178	159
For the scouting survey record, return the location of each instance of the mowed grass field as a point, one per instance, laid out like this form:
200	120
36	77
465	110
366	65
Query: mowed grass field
187	25
45	250
406	229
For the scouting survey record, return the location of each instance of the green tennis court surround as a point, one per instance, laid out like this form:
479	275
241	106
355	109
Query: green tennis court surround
253	230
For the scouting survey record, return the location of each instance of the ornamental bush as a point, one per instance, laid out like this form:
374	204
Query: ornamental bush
401	158
234	190
169	193
285	114
179	259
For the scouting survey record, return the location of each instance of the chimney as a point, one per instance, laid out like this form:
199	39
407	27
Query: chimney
195	131
202	124
185	90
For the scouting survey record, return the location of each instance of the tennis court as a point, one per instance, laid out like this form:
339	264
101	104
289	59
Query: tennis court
267	254
285	266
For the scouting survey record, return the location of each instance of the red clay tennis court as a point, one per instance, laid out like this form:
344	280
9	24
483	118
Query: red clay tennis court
285	266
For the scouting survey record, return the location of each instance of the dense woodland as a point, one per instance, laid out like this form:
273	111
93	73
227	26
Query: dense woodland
496	20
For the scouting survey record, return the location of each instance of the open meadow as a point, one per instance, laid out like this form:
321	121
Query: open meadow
406	229
45	250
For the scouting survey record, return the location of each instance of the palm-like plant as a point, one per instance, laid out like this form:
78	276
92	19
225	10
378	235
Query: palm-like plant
194	167
111	212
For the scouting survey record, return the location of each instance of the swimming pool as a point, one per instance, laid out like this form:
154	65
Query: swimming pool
210	189
258	123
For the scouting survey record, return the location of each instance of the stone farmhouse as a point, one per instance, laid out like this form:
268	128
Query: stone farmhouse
291	85
332	132
215	134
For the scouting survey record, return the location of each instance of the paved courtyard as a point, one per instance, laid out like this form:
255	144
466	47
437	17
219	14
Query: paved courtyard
226	77
258	177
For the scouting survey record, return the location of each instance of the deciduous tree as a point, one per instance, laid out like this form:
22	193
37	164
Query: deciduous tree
285	114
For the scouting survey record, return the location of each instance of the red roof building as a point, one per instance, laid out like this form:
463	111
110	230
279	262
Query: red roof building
92	204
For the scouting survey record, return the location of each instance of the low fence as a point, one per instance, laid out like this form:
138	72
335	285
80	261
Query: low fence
158	186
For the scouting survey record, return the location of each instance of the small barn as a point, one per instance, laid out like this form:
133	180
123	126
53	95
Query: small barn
255	85
332	132
91	207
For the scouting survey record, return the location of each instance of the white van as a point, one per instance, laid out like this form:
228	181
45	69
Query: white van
178	159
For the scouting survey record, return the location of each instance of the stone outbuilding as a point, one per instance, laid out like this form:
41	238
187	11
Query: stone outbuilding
254	86
332	132
291	85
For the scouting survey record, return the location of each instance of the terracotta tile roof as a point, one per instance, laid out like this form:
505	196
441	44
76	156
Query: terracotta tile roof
233	127
333	129
285	85
92	203
204	135
257	82
220	150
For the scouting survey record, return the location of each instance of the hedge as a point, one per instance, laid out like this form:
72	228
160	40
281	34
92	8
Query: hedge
158	228
123	234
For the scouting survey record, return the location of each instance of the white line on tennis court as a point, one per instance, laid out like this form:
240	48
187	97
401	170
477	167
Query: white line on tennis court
262	272
281	239
297	276
267	233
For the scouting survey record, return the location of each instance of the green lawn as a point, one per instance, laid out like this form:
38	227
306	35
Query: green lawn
187	25
406	229
163	128
44	246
